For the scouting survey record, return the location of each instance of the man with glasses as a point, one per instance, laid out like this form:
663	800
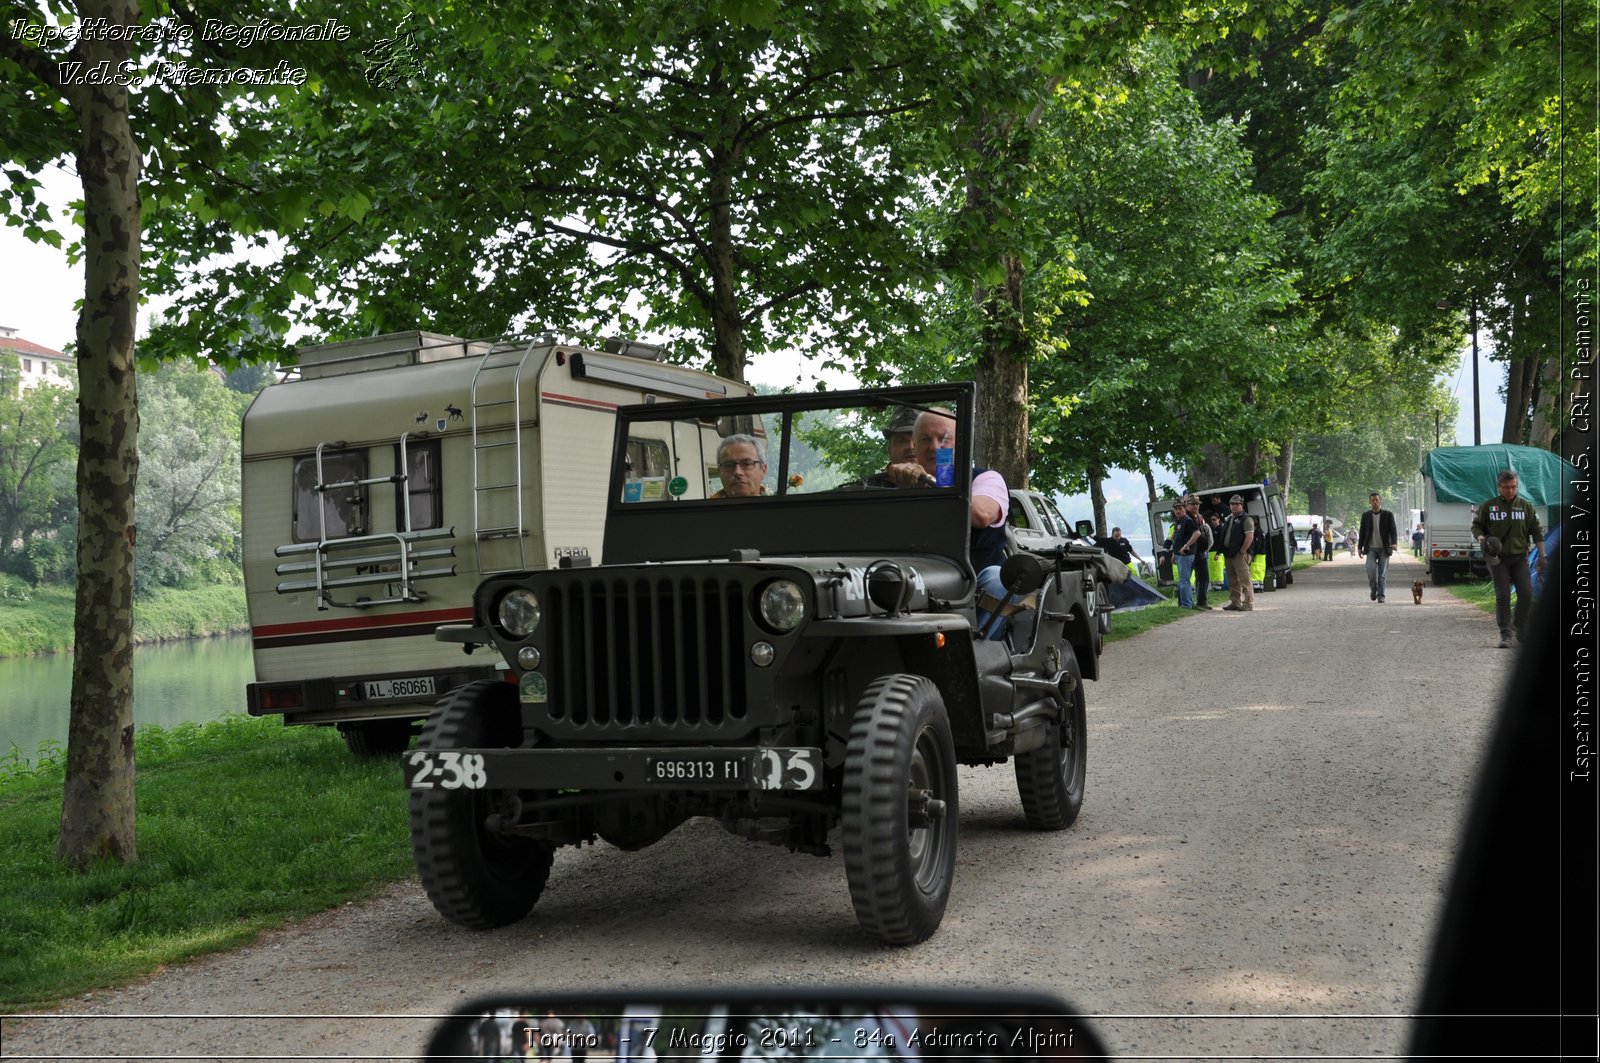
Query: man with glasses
741	466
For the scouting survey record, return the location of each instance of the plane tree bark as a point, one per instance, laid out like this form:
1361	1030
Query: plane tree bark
97	812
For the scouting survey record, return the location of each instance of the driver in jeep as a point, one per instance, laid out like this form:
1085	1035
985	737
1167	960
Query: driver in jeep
990	500
741	466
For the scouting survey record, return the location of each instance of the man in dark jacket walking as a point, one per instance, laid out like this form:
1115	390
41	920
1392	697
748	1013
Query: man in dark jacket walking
1376	542
1514	522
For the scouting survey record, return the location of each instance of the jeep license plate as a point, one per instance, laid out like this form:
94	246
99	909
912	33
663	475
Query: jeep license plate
415	687
693	769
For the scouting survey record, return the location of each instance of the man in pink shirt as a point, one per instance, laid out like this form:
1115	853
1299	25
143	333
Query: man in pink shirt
936	429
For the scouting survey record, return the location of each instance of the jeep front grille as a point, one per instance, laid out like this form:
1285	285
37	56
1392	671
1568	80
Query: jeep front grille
650	652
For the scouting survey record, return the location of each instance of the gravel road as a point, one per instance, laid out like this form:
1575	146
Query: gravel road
1273	803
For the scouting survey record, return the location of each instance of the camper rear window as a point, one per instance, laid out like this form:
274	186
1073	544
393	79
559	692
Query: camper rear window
423	490
344	508
647	458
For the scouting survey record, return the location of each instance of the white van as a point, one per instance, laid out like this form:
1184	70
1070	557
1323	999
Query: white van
1300	527
391	474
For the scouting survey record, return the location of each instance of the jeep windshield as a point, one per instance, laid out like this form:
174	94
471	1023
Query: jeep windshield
784	475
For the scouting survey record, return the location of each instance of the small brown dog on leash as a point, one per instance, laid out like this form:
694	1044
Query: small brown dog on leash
1416	591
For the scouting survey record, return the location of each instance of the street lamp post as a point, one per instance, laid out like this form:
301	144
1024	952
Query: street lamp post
1477	421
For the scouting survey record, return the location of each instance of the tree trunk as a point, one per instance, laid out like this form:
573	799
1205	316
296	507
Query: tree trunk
1518	396
1215	469
1097	496
1520	374
97	811
1539	428
727	325
1002	375
1317	500
1150	495
1285	467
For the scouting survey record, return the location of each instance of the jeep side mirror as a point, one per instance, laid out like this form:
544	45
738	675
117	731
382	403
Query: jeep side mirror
1085	529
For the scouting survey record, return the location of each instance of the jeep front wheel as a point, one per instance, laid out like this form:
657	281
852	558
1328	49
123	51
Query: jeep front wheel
475	877
898	828
1050	779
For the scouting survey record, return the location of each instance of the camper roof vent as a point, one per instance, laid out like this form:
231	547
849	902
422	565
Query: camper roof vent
632	348
384	352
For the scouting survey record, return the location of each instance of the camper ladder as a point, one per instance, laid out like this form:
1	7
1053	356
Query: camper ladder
497	453
389	557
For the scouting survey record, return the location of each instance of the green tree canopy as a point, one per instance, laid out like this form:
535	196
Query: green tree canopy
38	452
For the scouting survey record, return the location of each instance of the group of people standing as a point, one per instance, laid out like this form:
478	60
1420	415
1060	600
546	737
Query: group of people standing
1199	530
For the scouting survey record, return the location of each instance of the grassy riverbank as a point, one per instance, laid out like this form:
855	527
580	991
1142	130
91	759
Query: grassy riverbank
243	824
42	622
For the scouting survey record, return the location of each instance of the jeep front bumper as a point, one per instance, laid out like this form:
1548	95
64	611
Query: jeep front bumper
629	768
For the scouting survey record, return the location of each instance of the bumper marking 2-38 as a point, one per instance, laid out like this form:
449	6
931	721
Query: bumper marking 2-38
791	768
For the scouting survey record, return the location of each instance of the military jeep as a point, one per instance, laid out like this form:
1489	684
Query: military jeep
788	661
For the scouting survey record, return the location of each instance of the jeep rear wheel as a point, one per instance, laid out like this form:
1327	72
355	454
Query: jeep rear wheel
474	876
898	827
1050	779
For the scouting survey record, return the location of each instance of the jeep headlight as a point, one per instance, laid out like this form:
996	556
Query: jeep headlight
518	612
782	605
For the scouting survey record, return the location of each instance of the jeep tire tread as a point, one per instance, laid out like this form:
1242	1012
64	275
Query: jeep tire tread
900	743
474	877
1051	778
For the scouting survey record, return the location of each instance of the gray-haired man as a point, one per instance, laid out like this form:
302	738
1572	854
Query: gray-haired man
741	465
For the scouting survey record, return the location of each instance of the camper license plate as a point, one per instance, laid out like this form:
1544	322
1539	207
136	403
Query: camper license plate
415	687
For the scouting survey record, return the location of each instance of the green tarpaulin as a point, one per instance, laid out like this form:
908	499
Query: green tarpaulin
1471	474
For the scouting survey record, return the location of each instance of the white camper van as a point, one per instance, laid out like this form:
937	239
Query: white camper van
393	473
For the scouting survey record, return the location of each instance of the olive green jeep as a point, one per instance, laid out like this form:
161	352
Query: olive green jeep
793	651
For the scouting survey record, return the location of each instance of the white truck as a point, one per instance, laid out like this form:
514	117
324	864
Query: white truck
387	477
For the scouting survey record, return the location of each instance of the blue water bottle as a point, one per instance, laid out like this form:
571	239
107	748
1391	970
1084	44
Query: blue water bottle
944	467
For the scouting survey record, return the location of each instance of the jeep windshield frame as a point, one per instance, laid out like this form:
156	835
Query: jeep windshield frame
672	518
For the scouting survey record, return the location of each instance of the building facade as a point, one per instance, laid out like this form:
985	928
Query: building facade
40	364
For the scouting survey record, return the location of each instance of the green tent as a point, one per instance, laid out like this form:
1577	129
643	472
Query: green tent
1471	474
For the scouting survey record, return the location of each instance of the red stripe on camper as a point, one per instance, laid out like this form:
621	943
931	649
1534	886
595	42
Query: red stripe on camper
369	626
575	400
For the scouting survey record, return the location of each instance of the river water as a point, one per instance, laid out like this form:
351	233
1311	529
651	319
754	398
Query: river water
173	682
